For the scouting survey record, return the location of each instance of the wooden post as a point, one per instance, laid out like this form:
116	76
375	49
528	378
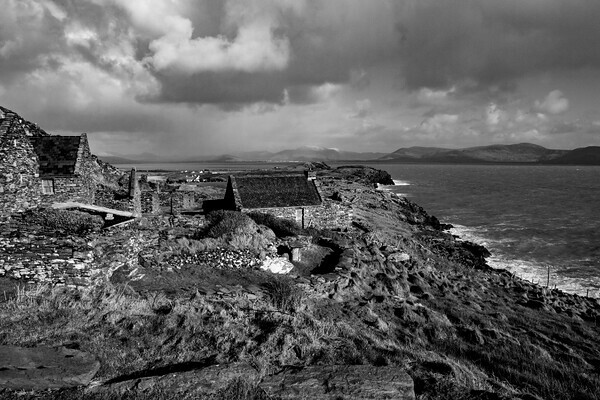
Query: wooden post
548	280
587	293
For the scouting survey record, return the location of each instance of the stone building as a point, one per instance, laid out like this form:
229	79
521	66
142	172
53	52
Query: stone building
65	168
20	183
38	169
293	196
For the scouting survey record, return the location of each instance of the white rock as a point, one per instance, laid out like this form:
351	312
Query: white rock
398	257
278	265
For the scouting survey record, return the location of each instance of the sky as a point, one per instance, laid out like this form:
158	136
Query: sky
184	78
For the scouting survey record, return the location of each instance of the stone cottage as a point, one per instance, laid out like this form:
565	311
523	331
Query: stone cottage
38	169
291	196
65	168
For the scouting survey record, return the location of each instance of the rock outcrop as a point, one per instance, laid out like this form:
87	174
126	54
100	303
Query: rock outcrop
332	382
40	368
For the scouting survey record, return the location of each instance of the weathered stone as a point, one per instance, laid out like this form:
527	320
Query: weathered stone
398	257
279	265
191	379
340	382
45	367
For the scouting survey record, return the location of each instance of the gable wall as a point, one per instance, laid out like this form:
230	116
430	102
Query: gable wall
20	186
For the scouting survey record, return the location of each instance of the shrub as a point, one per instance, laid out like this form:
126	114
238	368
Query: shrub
66	220
223	222
191	247
284	295
281	226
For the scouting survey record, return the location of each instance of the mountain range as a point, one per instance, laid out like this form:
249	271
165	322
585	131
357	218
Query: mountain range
512	153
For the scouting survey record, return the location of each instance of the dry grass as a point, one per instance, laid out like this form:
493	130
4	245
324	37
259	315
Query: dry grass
131	333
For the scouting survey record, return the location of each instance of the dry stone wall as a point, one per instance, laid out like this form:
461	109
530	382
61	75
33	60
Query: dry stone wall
20	186
330	215
72	188
35	257
109	198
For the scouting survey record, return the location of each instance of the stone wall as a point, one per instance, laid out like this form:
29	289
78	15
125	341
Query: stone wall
20	186
330	215
110	198
38	258
34	255
149	202
72	188
171	201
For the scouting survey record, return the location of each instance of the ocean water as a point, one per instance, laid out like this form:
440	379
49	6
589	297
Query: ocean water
531	218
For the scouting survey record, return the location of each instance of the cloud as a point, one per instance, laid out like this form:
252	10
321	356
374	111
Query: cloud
268	48
428	96
492	42
362	109
255	46
494	115
439	123
553	103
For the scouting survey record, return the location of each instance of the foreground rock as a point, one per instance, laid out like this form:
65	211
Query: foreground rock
328	382
191	379
41	368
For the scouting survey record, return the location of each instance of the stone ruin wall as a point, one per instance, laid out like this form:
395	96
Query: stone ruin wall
39	258
331	215
72	188
105	197
20	185
164	202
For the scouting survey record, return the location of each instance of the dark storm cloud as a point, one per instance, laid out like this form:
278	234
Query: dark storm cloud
329	42
27	38
228	89
491	42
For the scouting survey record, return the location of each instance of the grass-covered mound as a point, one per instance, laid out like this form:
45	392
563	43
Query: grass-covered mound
68	221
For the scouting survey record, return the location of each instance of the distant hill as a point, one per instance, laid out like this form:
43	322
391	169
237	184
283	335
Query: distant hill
117	160
511	153
580	156
309	153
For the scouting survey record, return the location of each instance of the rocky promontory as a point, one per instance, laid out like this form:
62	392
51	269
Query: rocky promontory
391	306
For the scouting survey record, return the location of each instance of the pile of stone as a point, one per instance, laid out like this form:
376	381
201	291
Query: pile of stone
218	258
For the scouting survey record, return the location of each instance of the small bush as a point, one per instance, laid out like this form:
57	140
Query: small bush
191	247
66	220
281	226
284	295
223	222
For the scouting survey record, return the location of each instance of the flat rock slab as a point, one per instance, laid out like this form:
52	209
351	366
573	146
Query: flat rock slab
191	383
328	382
39	368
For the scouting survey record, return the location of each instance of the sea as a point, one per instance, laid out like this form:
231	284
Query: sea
535	220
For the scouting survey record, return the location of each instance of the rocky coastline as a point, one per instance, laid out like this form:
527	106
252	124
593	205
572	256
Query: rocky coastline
173	314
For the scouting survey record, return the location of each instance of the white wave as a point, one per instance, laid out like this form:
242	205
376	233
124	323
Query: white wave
468	233
538	273
529	270
401	183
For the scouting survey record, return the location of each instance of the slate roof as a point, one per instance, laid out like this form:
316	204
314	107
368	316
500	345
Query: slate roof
276	191
57	154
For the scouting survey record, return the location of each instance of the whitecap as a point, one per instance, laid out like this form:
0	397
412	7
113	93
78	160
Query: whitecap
538	273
